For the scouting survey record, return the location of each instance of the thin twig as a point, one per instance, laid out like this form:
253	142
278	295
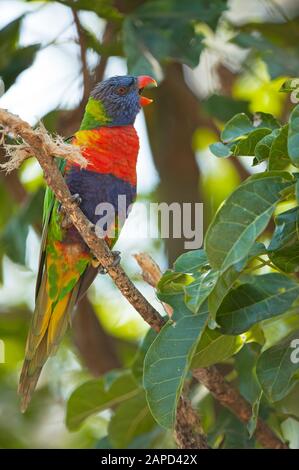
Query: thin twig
83	49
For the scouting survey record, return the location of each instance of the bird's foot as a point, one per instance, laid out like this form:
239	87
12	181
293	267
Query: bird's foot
115	262
76	198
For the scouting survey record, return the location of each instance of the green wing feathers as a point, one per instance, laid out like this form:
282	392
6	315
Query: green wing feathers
62	267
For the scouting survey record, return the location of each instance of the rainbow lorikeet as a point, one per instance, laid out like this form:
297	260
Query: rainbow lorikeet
108	140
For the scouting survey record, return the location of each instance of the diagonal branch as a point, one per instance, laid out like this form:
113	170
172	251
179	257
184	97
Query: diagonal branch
188	435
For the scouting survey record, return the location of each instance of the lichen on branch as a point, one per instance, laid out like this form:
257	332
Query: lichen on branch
54	146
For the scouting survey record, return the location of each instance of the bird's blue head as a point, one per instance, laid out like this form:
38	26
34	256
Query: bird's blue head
121	98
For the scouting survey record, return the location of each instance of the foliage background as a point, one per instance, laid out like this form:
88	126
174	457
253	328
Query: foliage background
213	59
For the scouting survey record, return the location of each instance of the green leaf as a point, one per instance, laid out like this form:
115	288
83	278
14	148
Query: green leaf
224	107
14	234
297	191
19	61
131	419
226	279
276	329
163	30
251	425
262	149
137	365
264	297
220	150
289	85
236	127
247	146
280	61
278	367
284	246
245	362
170	11
191	262
114	47
229	432
167	363
242	218
9	37
98	395
139	59
266	120
197	290
293	136
214	347
173	288
103	8
278	156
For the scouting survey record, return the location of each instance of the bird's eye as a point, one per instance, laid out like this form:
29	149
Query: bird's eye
122	90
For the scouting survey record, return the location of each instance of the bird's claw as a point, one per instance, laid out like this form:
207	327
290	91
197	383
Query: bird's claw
115	262
92	227
76	199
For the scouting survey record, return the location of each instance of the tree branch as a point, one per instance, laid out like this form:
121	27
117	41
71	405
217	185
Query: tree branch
212	379
43	151
229	397
85	72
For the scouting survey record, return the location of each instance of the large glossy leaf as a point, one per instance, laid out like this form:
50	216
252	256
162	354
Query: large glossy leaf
264	297
278	368
167	363
137	364
293	136
98	395
284	246
242	218
214	347
130	420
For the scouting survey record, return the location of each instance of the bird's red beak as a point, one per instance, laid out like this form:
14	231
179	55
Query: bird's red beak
142	82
